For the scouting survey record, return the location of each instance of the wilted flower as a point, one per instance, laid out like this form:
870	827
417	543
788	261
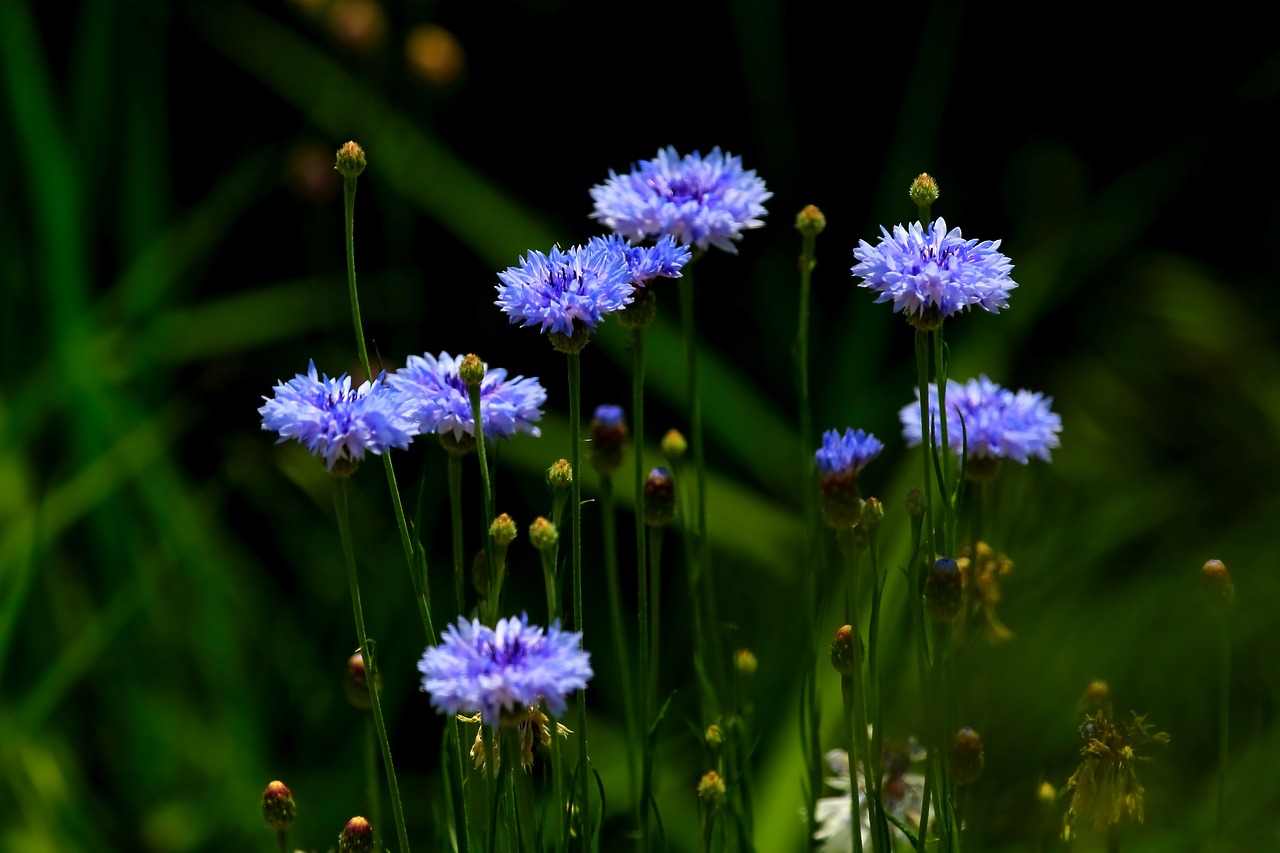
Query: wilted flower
993	422
437	398
1105	787
503	670
333	420
700	201
931	274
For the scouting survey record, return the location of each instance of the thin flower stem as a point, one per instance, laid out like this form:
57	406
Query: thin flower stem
371	780
646	750
1224	691
923	536
655	617
947	523
608	521
282	840
455	515
575	440
855	698
548	559
640	728
461	809
1113	838
810	744
926	442
880	825
349	208
366	650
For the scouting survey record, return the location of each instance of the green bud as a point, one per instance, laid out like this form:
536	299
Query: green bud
674	445
846	651
356	837
872	512
471	371
570	344
642	310
944	590
967	757
924	190
543	534
350	161
810	222
503	530
744	661
278	808
560	474
1218	587
659	498
711	788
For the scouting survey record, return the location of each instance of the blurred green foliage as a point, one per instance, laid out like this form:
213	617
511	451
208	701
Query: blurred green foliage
173	616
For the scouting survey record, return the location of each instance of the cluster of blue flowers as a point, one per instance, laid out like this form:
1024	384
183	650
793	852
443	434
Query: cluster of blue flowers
992	421
508	668
341	424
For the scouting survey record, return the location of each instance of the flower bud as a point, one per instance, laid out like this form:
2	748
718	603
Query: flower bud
642	310
471	370
744	661
714	736
543	534
915	503
674	445
278	808
846	651
356	837
872	513
560	474
1096	697
503	530
810	222
355	686
571	344
967	757
659	498
1220	592
608	438
924	190
350	161
711	788
944	590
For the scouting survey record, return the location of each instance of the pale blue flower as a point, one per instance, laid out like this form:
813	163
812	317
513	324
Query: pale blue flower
333	420
664	259
921	269
438	399
700	201
994	422
504	669
564	288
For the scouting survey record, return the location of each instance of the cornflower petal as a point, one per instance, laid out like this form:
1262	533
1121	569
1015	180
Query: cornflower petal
437	398
994	422
563	288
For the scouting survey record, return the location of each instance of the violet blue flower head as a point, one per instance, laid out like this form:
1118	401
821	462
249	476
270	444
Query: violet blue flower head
700	201
664	259
507	668
848	453
994	422
333	420
437	398
566	288
934	270
608	415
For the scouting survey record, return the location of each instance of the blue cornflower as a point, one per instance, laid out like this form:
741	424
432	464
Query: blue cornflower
997	423
935	273
504	669
848	453
700	201
608	416
564	289
337	422
664	259
839	460
439	401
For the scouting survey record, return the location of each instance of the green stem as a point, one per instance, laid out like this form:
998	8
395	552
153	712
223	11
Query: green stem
1113	838
855	697
923	531
946	498
349	208
371	781
875	755
641	728
455	516
548	559
608	521
282	840
1224	690
646	747
575	439
366	650
655	617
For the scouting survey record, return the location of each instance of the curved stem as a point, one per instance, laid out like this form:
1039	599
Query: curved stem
366	650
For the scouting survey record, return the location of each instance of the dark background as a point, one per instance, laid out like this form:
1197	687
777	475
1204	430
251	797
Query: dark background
173	615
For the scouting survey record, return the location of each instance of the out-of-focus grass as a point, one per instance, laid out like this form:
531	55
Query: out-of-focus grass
173	623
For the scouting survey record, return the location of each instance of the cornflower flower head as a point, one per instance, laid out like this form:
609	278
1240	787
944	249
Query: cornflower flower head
932	273
997	423
501	672
902	793
336	421
839	460
664	259
566	291
700	201
437	398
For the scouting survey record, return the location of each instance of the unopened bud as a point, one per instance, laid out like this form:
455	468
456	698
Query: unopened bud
944	590
642	310
872	512
711	788
351	160
924	190
1096	697
356	684
471	370
1219	589
659	498
915	503
560	474
967	757
714	736
571	344
810	222
846	651
543	534
674	445
608	438
1046	794
503	530
356	837
744	661
278	808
